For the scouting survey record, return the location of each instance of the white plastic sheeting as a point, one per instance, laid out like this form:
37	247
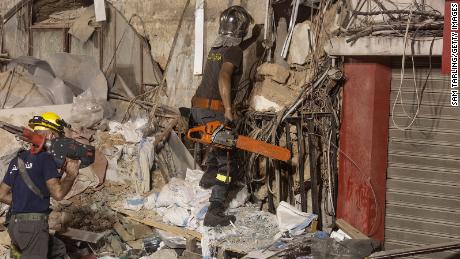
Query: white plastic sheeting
291	219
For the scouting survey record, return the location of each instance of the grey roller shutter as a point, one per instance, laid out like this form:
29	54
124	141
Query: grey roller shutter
423	177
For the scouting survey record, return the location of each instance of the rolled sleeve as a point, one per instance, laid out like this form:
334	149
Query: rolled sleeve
234	55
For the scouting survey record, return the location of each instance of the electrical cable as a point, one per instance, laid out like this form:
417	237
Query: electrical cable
399	93
367	181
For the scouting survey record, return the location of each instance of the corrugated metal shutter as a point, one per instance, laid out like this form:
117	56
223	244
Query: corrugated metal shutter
423	182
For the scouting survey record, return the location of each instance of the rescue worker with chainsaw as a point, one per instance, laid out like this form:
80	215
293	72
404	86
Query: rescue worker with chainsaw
27	186
213	102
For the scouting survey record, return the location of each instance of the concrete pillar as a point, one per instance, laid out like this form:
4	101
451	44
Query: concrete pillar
364	145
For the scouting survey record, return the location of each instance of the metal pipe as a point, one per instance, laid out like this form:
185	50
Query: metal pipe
271	206
294	107
313	174
300	166
290	179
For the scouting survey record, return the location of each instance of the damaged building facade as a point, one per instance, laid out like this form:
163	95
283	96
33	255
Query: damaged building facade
353	89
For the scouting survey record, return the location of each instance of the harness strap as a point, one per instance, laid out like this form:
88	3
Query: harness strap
27	180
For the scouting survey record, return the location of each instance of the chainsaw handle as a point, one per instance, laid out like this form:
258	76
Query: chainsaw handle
198	134
204	133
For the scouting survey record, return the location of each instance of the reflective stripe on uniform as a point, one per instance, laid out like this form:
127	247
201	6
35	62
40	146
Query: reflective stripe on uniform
223	178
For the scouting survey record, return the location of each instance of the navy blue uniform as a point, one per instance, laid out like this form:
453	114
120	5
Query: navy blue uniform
41	167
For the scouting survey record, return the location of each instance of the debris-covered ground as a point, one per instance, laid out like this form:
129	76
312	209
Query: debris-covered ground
253	230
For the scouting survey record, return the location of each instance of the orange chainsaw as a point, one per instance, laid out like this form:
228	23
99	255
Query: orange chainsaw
217	134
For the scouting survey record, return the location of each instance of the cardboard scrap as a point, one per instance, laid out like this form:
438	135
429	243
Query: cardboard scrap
81	28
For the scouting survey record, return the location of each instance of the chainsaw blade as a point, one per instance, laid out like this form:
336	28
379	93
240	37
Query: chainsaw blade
263	148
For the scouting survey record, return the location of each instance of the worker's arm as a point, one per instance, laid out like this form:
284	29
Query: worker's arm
225	86
5	194
60	187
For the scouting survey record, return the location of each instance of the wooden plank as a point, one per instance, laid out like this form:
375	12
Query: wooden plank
350	230
159	225
416	250
199	38
99	10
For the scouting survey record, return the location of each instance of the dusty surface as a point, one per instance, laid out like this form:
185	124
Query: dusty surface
253	230
90	210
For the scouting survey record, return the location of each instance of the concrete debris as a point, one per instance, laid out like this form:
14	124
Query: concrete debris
253	230
5	238
271	96
121	231
58	220
275	72
302	44
131	130
86	111
130	156
162	254
151	244
70	67
117	246
4	252
85	179
136	244
262	104
83	235
137	230
56	81
241	198
42	75
20	91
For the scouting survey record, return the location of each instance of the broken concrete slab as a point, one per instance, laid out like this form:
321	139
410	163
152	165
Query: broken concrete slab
276	72
85	179
136	244
121	231
83	235
117	246
138	230
163	254
302	43
70	67
271	96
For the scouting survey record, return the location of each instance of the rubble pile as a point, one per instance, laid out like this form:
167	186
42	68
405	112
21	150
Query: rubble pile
141	198
277	88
